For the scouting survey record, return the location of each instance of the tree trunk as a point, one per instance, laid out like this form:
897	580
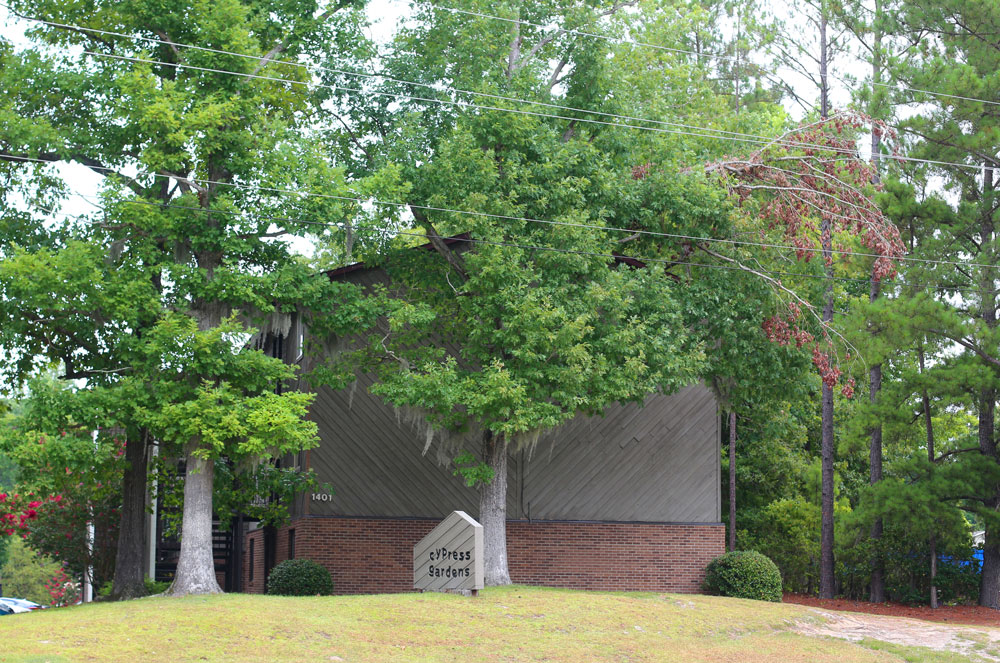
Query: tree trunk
493	511
196	566
826	575
877	588
934	598
989	582
824	88
929	428
732	480
129	562
877	582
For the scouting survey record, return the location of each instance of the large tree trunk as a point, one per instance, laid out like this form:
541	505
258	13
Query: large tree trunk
129	562
196	566
732	481
493	511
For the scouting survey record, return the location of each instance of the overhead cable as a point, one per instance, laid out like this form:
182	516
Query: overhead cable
715	133
502	217
535	247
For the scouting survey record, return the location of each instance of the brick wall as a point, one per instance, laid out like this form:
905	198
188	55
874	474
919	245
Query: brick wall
255	586
367	555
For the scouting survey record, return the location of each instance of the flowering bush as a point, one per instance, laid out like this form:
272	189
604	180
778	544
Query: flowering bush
82	481
16	511
62	589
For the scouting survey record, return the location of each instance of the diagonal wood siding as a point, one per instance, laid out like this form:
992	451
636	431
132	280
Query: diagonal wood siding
657	463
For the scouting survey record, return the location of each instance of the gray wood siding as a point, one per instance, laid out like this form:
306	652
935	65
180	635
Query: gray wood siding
657	463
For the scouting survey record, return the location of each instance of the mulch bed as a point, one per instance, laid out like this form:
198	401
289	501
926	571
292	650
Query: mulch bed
951	614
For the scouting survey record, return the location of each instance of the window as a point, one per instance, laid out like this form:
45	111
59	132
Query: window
291	544
253	562
300	337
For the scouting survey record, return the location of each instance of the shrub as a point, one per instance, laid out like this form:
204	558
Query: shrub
744	574
154	587
299	577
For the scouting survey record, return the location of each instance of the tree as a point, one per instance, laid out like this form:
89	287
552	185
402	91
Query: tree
958	62
494	308
25	573
153	297
523	339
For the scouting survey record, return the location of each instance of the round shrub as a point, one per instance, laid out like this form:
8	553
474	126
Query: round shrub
299	577
743	574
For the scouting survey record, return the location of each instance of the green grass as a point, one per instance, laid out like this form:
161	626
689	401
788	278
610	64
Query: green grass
502	624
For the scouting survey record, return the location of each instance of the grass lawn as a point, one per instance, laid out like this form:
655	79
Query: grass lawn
502	624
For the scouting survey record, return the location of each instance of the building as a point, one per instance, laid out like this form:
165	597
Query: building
627	501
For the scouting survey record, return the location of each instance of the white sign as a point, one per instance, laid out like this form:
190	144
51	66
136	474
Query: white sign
450	558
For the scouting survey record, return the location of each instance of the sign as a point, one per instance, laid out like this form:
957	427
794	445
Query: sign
450	558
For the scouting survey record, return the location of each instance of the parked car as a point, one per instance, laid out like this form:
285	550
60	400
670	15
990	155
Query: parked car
5	610
19	605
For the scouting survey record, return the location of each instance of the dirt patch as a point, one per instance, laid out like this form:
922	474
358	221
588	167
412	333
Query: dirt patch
949	614
983	643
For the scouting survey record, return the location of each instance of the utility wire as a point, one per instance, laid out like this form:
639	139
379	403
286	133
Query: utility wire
714	56
502	217
358	200
761	140
384	77
534	247
651	233
718	133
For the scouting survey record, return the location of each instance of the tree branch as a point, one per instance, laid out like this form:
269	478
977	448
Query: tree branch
439	244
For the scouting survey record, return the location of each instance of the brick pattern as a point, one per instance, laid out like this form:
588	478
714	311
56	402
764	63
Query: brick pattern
613	556
256	586
370	555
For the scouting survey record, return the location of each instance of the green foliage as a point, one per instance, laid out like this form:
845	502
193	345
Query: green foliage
787	532
744	574
472	471
154	587
299	577
26	572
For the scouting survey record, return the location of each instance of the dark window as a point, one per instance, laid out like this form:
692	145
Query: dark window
253	562
291	544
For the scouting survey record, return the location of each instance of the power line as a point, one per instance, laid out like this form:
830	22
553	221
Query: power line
384	77
718	133
651	233
504	217
501	217
714	56
582	33
760	140
529	219
534	247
